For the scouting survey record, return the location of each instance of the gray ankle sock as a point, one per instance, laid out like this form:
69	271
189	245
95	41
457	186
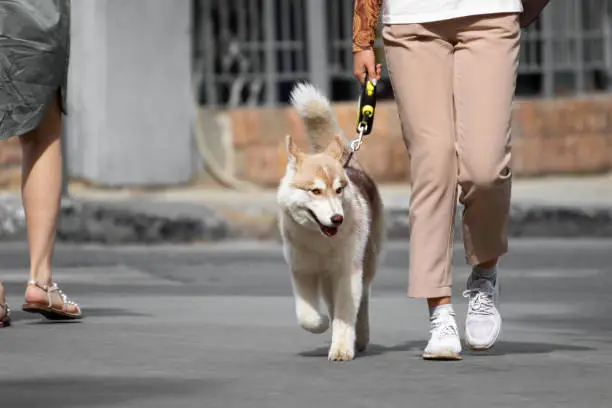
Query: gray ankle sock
482	273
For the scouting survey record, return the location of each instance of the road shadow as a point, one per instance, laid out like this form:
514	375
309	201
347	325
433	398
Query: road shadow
502	348
92	391
591	321
32	318
373	349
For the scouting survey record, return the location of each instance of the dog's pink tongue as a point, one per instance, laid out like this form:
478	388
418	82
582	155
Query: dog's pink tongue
330	232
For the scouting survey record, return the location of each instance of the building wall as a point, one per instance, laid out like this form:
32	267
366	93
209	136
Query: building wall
237	69
550	137
560	136
130	104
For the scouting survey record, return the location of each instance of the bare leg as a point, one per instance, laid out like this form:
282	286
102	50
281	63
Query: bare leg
433	302
41	190
5	313
489	264
2	300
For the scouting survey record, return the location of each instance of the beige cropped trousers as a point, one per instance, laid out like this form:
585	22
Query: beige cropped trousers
454	83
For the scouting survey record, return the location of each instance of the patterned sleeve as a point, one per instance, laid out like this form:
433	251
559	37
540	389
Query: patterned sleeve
365	22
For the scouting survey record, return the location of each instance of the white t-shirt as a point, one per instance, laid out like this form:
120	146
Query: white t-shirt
424	11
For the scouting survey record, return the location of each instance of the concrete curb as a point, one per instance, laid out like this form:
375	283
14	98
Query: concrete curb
529	220
142	221
122	222
560	221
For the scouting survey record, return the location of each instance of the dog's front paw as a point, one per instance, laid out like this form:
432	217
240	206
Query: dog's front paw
341	352
314	322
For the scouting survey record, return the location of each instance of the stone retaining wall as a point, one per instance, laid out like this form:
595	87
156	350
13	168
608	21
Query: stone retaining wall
560	136
551	137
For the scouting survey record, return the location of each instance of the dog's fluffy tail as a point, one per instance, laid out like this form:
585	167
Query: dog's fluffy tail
316	112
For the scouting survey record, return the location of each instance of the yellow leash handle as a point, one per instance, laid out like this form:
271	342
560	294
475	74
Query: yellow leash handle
367	106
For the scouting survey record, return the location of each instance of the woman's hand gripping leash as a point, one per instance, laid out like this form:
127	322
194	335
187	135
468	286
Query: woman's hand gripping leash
365	116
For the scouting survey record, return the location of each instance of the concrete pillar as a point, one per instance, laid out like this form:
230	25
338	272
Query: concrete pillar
130	99
316	19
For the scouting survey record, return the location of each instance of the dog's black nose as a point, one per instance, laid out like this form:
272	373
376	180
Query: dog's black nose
337	219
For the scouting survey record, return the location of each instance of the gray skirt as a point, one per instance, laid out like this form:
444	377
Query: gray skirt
34	52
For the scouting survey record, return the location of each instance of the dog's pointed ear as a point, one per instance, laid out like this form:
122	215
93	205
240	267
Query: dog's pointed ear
295	155
337	148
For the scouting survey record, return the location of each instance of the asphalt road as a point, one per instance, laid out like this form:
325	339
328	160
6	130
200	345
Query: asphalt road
214	326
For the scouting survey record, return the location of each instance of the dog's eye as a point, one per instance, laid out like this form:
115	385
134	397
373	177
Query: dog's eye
339	190
316	191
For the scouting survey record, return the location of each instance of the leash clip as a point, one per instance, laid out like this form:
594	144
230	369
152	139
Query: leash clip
356	142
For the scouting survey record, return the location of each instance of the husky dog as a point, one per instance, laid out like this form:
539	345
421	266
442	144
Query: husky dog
331	226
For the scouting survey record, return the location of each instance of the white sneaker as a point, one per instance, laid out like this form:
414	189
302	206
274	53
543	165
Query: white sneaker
483	321
444	343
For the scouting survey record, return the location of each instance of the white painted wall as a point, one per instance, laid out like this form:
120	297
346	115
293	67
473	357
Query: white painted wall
129	92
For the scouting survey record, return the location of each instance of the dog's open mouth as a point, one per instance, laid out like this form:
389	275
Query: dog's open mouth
327	231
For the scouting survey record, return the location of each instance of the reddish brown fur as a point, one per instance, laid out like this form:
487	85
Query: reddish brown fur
325	166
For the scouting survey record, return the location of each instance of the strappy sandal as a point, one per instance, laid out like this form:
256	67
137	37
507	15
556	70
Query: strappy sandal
5	320
49	311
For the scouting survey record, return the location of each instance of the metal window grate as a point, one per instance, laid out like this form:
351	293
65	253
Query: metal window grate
250	52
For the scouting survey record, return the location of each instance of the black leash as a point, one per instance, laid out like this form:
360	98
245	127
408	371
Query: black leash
365	116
